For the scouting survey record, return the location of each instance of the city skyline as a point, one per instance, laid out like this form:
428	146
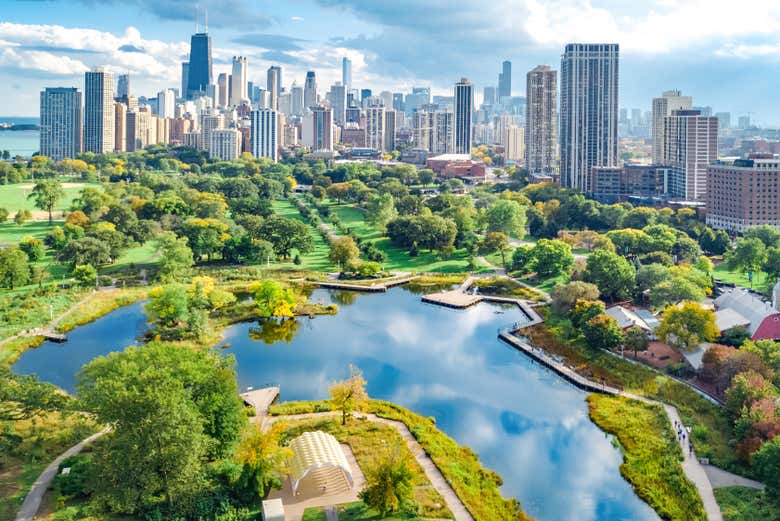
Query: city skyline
314	36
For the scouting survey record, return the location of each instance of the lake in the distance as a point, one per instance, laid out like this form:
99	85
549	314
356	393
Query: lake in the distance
20	142
523	421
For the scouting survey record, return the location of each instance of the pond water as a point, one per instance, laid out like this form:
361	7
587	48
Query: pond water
523	421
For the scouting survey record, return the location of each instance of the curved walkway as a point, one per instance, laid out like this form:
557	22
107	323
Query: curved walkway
33	500
432	472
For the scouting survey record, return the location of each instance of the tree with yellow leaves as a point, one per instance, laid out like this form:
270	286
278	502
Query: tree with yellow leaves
263	461
272	299
350	394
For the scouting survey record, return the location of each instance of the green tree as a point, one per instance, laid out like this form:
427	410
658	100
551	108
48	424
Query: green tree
767	464
171	409
350	394
85	274
46	193
636	339
176	258
389	484
426	176
552	257
748	255
272	299
23	397
343	251
686	250
263	461
603	331
675	289
33	247
766	233
584	310
14	267
86	250
565	296
611	273
380	210
495	242
687	326
286	234
506	216
168	309
22	216
3	215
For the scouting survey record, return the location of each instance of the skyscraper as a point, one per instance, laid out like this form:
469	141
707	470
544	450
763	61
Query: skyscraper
120	127
317	128
691	145
274	85
238	81
338	101
390	126
98	111
264	140
123	86
225	144
464	110
375	127
222	90
296	101
346	72
505	80
199	76
60	123
310	91
185	79
489	95
166	104
669	101
589	111
541	146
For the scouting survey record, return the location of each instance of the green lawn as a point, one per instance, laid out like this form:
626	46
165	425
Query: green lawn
14	197
745	504
354	512
139	256
315	260
722	273
546	284
12	232
398	259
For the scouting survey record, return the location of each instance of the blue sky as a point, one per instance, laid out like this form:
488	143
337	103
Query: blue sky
724	53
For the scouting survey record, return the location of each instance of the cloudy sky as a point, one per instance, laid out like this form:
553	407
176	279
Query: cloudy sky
724	53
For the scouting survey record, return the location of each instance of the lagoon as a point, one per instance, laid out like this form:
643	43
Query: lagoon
523	421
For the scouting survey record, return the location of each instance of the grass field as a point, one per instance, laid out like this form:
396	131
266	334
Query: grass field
14	197
12	232
138	256
722	273
315	260
398	259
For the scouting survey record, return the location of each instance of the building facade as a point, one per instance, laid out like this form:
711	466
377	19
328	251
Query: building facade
541	118
663	107
225	144
199	72
589	111
743	193
317	129
611	184
505	80
375	127
265	134
514	147
61	130
274	85
99	111
691	145
238	78
346	72
464	115
310	91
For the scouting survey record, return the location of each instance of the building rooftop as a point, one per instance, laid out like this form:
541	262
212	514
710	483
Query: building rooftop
451	157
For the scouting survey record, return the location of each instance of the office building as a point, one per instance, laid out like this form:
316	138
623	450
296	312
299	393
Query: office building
139	129
222	90
489	95
296	100
390	130
691	145
123	86
338	101
663	107
317	129
199	75
432	131
589	111
185	79
99	111
238	86
310	91
225	144
612	184
398	101
209	123
743	193
346	72
264	134
464	114
724	120
541	118
505	81
375	127
514	146
60	123
166	104
120	127
274	86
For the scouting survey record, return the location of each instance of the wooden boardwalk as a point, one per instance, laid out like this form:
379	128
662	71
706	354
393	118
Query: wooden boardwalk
379	287
260	400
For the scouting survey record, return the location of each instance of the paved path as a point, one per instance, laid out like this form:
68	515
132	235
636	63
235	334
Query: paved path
50	328
33	500
721	478
432	472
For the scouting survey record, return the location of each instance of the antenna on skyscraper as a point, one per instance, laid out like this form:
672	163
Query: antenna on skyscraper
196	19
206	21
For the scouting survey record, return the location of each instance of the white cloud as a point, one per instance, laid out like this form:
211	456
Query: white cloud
41	61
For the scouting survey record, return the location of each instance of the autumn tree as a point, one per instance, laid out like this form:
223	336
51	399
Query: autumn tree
687	326
272	299
565	296
263	462
389	483
602	331
350	394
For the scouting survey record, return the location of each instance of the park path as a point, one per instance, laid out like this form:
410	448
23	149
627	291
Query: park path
721	478
51	327
503	272
33	500
432	472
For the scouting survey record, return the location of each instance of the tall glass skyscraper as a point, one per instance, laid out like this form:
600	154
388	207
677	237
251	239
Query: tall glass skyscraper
199	75
505	80
464	114
310	91
589	111
98	111
346	72
60	122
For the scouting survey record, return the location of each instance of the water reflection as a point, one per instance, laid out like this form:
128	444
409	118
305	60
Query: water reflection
524	422
272	330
